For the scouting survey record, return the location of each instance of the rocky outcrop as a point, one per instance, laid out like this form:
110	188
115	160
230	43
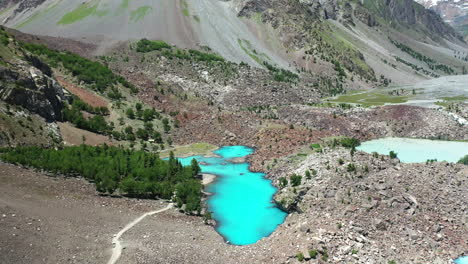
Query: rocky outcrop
364	16
27	86
410	13
23	4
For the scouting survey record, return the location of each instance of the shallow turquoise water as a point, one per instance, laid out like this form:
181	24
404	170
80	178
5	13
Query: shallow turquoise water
417	150
461	260
242	200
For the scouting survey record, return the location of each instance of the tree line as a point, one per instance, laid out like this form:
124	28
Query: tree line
93	73
117	170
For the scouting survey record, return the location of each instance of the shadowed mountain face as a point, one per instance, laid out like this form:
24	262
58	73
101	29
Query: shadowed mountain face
356	38
454	12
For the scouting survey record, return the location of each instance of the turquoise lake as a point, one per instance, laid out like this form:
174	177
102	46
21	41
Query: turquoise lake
417	150
461	260
242	201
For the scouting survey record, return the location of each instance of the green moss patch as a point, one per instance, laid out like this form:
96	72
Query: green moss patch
185	9
81	12
140	13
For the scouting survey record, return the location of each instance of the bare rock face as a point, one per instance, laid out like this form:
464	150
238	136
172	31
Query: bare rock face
410	13
30	88
364	16
23	4
248	7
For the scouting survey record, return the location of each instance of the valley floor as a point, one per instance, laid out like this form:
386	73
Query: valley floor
48	219
410	213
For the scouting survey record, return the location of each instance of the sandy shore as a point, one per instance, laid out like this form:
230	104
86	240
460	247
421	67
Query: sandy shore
208	178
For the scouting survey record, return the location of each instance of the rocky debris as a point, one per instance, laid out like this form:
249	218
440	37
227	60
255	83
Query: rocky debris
382	211
365	123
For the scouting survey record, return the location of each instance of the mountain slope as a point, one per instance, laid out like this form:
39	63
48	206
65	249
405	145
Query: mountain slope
187	25
358	40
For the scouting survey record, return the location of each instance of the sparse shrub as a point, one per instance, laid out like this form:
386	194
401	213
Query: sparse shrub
145	45
351	167
300	256
313	253
350	142
130	113
393	154
464	160
296	180
283	182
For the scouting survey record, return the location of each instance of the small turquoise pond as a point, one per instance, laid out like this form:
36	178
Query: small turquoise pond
417	150
461	260
242	200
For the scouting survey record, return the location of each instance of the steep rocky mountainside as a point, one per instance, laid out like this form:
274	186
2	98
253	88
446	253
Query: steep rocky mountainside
156	97
30	98
454	12
358	40
411	14
27	86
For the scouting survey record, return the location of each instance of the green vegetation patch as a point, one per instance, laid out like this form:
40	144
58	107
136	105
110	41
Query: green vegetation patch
346	142
455	98
134	173
464	160
197	149
370	98
5	10
185	8
281	75
124	4
247	47
144	46
433	65
81	12
257	17
140	13
448	102
93	73
96	123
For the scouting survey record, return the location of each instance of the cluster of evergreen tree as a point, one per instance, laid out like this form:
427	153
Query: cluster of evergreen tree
96	124
144	46
83	106
134	173
146	115
281	75
90	72
464	160
433	65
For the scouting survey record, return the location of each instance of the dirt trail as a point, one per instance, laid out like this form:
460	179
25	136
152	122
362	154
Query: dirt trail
117	250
